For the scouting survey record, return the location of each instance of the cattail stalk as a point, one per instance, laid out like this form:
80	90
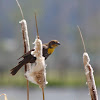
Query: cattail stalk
36	26
26	42
39	38
37	74
43	93
26	48
89	72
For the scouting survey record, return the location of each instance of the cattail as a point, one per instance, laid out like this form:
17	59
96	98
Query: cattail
90	77
37	74
26	42
89	72
5	96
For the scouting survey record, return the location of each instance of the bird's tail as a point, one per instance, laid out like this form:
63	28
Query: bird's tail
16	69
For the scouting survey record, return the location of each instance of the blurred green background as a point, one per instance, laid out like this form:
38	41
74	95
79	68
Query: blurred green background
57	19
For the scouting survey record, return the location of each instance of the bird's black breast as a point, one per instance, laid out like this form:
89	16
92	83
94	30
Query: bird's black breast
45	51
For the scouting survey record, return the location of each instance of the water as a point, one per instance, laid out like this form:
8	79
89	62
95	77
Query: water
50	93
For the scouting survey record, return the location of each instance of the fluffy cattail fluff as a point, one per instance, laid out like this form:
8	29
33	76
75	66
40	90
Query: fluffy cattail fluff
90	77
37	74
86	58
86	61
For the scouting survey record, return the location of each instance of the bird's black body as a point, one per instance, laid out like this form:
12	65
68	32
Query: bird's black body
29	58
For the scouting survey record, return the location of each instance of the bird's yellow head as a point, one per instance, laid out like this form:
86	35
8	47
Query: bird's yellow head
52	45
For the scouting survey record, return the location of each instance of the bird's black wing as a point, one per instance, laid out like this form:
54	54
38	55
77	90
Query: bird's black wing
27	59
26	54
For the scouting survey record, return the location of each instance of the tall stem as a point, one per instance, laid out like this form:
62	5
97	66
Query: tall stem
26	42
43	93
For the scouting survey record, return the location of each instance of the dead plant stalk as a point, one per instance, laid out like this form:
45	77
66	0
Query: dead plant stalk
37	73
26	42
26	48
89	72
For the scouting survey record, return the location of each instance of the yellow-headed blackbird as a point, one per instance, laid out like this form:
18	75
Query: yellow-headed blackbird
48	49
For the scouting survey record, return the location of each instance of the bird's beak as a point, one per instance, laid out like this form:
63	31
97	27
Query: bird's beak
58	43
